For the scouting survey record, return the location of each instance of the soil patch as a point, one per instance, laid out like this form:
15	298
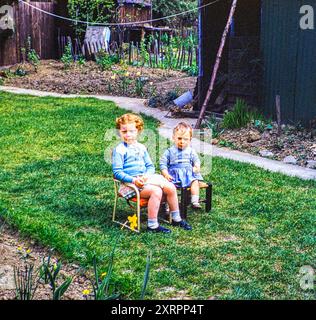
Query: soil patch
16	251
90	79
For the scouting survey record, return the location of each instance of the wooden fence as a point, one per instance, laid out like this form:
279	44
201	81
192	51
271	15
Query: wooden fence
29	23
153	51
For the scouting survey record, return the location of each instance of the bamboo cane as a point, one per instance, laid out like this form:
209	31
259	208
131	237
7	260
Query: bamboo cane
217	63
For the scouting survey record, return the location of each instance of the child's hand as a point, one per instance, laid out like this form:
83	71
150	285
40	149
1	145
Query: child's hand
139	182
168	177
196	169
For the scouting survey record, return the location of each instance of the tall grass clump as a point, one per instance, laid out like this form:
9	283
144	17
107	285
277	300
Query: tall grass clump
240	116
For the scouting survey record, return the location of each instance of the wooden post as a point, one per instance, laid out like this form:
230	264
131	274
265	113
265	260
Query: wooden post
217	63
278	113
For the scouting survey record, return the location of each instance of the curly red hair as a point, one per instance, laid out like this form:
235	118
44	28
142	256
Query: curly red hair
130	118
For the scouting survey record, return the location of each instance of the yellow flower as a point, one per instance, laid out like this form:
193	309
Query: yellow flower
126	74
103	274
19	248
138	74
28	251
113	77
85	292
133	221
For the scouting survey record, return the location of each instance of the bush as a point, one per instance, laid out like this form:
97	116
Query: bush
240	116
192	71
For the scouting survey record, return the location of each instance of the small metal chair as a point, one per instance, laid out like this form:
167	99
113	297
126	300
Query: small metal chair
136	204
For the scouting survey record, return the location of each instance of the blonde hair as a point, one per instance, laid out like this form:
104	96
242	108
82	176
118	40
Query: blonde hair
183	127
130	118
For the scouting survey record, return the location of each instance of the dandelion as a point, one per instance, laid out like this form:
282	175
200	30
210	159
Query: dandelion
20	248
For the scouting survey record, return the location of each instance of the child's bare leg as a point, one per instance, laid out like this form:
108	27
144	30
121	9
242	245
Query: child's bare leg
172	198
154	194
195	188
195	194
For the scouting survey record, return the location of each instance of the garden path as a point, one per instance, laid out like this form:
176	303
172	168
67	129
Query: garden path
137	106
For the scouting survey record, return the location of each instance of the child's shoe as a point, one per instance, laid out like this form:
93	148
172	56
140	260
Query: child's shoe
182	224
196	206
159	229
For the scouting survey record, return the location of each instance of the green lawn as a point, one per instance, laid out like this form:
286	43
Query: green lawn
56	188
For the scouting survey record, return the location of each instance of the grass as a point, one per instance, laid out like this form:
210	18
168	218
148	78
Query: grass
56	188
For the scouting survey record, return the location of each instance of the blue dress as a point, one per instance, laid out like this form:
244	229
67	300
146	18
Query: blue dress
180	163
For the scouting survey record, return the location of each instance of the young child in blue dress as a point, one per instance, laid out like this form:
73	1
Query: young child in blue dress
181	165
131	163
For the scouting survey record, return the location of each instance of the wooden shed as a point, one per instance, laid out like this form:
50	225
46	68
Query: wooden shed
267	54
134	10
28	22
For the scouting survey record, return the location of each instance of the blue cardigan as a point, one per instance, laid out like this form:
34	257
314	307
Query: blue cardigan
129	161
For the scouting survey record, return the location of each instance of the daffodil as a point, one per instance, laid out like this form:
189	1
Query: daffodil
133	221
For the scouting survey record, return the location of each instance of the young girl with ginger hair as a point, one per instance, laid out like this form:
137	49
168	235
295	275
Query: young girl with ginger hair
131	163
181	165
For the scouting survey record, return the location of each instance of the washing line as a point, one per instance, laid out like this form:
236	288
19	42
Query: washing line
117	24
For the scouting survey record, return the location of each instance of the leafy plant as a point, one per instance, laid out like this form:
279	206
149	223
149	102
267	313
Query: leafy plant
101	287
67	58
25	282
146	276
49	273
139	86
192	71
81	60
240	116
105	60
20	72
144	53
32	56
215	126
